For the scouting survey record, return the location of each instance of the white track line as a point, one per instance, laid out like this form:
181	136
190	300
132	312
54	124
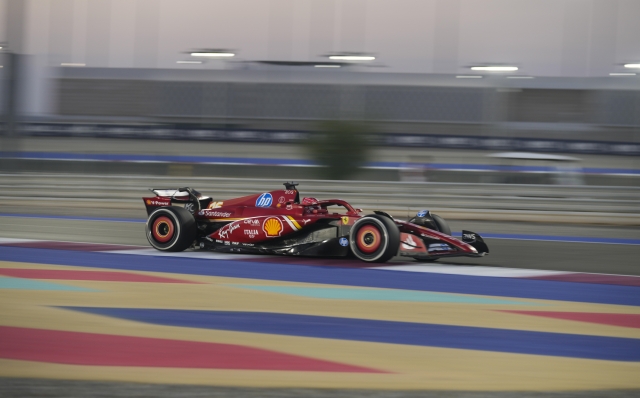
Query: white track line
13	240
436	268
449	269
202	254
473	271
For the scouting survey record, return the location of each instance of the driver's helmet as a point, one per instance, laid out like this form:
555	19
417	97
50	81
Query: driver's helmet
309	201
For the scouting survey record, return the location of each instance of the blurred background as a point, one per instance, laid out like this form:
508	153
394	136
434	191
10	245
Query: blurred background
425	92
515	119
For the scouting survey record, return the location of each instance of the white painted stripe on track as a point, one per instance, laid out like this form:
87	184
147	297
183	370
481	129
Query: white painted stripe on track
440	268
473	271
202	254
437	269
13	240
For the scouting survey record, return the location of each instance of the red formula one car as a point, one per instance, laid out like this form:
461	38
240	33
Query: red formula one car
278	222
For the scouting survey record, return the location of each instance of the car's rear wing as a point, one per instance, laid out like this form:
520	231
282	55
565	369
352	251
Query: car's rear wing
167	196
180	194
176	194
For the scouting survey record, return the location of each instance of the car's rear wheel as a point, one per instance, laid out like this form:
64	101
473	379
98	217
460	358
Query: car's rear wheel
171	229
374	238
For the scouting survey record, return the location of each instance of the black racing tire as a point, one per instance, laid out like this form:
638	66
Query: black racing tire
374	238
435	223
171	229
443	226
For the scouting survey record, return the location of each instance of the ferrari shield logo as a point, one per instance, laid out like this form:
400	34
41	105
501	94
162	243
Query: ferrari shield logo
345	220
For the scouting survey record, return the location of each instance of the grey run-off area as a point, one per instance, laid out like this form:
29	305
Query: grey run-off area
43	388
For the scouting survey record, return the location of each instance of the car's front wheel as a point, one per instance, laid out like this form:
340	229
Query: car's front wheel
374	238
431	221
171	229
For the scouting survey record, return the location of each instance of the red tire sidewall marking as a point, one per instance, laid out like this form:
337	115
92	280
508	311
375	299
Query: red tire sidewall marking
377	239
155	229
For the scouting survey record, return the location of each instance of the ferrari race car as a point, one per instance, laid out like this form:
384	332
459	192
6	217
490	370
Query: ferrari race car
278	222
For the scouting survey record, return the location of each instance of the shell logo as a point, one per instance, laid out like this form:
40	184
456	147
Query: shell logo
148	202
272	227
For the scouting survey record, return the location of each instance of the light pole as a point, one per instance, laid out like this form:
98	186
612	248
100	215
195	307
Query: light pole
10	143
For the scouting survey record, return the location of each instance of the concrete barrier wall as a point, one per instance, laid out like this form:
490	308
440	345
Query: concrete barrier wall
537	203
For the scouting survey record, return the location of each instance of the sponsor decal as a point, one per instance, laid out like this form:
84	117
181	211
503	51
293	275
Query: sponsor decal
219	241
306	221
272	227
469	237
189	207
227	229
409	243
227	243
251	221
289	206
158	202
235	243
438	247
248	244
215	205
281	199
278	205
344	242
251	232
214	213
422	213
345	220
264	200
292	223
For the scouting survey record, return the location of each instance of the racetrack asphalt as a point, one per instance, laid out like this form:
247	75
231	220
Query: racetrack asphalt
45	388
541	254
82	226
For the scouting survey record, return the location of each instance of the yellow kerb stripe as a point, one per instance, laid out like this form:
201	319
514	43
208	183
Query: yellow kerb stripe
293	220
